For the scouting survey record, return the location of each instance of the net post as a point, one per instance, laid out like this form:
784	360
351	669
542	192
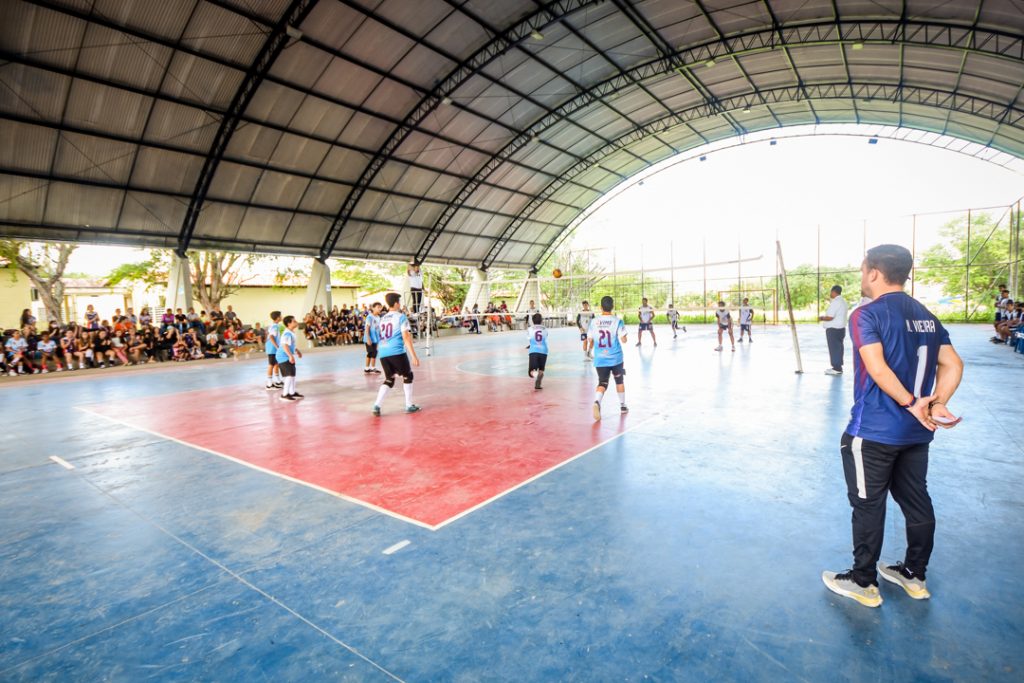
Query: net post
789	307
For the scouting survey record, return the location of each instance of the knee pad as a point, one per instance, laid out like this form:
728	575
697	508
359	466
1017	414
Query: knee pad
603	383
619	378
389	382
407	379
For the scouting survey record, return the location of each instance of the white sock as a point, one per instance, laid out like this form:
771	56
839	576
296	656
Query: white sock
598	396
291	385
381	393
622	397
408	394
284	388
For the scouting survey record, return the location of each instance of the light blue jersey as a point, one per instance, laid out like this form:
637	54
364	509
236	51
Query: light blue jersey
273	337
371	329
538	339
605	331
392	325
287	342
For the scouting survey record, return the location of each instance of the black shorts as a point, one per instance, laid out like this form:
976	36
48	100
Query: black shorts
745	327
538	361
396	365
271	359
646	326
287	369
583	336
724	327
371	350
616	371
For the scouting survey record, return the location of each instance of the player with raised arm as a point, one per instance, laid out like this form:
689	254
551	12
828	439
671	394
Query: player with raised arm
724	323
583	319
395	351
606	336
646	315
746	319
538	349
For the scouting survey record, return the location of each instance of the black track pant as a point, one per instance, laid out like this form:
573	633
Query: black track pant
835	336
872	471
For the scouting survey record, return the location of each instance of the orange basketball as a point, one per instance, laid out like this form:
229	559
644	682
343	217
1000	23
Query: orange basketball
556	273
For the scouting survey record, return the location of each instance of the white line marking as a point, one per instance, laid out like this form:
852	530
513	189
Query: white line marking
541	474
349	499
396	547
62	462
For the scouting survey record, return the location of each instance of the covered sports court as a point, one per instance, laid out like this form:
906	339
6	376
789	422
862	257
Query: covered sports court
180	523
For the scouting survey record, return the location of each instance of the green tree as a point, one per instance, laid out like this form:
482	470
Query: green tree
371	277
946	264
806	289
216	275
43	263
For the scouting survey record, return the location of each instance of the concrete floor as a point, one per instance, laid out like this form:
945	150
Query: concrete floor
687	545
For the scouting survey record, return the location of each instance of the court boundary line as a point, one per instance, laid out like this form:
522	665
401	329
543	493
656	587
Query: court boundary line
365	504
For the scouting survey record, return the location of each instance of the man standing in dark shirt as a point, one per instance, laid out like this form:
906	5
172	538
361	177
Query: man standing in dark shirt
905	372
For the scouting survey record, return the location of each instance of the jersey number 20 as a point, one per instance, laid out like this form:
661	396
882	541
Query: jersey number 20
385	330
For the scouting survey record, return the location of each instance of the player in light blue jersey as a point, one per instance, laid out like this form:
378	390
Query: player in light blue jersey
287	352
371	337
395	350
273	341
606	336
538	349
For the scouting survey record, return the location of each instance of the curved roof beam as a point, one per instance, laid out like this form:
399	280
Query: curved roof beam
832	32
937	99
463	71
275	43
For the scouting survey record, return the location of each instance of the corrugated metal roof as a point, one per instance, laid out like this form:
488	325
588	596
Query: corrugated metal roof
426	129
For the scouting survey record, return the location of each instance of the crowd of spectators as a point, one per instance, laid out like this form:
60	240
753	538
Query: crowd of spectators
1009	322
336	327
125	339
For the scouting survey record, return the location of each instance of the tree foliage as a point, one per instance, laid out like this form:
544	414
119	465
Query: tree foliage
945	264
43	263
370	277
216	275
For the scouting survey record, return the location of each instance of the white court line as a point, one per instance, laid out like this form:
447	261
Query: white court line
396	547
349	499
62	462
541	474
363	503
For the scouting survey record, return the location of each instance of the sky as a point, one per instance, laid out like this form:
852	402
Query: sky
738	199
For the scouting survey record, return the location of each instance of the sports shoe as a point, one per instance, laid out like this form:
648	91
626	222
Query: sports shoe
376	411
684	328
12	373
366	371
413	408
279	385
843	584
734	348
901	576
271	387
833	372
718	348
289	397
45	371
597	410
638	343
375	371
623	409
103	365
298	396
741	340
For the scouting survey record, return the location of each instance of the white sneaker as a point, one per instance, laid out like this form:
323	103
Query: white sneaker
12	373
46	371
843	584
833	373
901	576
718	348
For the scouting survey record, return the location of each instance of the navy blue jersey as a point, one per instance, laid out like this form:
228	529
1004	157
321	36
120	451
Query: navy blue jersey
910	336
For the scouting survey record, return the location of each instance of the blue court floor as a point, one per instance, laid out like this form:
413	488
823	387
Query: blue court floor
689	548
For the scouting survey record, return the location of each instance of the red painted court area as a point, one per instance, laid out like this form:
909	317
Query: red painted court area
475	439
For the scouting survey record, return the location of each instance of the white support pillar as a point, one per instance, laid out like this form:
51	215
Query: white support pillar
530	291
179	285
318	291
479	291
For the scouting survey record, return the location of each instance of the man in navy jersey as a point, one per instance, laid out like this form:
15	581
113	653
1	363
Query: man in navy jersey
906	370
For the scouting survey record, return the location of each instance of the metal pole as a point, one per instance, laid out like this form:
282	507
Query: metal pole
789	307
672	271
817	271
913	254
704	260
739	269
967	270
642	285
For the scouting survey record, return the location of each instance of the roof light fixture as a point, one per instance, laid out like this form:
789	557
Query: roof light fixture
534	138
446	100
710	62
858	45
536	35
746	109
293	33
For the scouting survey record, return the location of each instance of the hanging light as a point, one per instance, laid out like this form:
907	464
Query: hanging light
710	62
858	45
536	35
446	100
